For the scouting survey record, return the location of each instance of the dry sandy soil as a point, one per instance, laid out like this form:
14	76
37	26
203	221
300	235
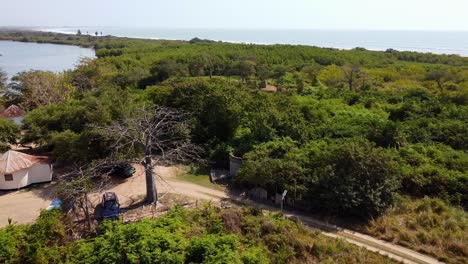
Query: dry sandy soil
23	206
134	188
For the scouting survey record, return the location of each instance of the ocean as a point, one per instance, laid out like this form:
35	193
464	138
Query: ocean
16	57
438	42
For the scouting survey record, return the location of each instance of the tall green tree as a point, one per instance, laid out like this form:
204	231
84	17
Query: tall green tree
3	81
9	133
351	73
356	178
41	88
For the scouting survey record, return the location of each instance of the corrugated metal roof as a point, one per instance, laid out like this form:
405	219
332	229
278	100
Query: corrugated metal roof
13	111
12	161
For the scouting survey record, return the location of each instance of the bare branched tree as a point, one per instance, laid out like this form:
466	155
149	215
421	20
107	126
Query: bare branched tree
75	186
154	136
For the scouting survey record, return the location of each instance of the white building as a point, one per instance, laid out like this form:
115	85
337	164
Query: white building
18	170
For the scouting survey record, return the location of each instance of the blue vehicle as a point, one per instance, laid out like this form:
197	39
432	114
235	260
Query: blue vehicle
56	204
110	206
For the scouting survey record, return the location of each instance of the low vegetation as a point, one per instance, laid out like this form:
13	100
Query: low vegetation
427	225
200	179
208	235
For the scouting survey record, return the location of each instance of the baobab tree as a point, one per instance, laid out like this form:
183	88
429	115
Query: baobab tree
155	135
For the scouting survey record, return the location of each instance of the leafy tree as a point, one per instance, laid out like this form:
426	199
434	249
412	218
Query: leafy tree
9	133
311	71
440	75
331	76
351	73
167	68
271	166
356	178
264	72
245	69
3	82
39	88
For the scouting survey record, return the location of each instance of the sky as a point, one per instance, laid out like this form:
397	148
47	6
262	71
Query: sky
240	14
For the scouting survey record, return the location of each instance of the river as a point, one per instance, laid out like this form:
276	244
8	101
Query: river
16	57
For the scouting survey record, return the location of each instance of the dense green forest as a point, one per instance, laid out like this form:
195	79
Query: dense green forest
356	126
346	132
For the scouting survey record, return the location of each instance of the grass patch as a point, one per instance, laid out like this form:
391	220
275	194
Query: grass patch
200	179
429	226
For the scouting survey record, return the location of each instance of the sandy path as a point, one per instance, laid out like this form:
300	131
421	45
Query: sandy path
168	183
134	188
21	206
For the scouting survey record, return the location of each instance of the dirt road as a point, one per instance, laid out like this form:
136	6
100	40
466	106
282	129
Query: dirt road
134	188
23	207
168	181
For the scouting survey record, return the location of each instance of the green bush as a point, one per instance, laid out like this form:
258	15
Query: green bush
344	176
181	236
9	133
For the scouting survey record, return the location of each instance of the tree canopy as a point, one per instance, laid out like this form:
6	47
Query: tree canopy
347	129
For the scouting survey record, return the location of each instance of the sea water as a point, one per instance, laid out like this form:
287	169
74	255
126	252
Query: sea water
439	42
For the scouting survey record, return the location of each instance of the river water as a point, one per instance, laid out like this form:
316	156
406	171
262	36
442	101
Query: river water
16	57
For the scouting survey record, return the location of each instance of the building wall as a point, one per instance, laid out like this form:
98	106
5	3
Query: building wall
40	173
235	164
20	179
35	174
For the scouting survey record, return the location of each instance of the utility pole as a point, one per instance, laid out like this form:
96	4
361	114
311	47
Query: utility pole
282	199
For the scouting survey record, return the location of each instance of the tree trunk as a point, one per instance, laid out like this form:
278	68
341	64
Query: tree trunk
86	212
151	193
439	83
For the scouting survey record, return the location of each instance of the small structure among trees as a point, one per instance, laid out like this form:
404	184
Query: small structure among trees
13	112
264	86
18	170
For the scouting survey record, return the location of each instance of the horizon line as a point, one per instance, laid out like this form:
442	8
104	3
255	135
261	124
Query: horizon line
239	28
